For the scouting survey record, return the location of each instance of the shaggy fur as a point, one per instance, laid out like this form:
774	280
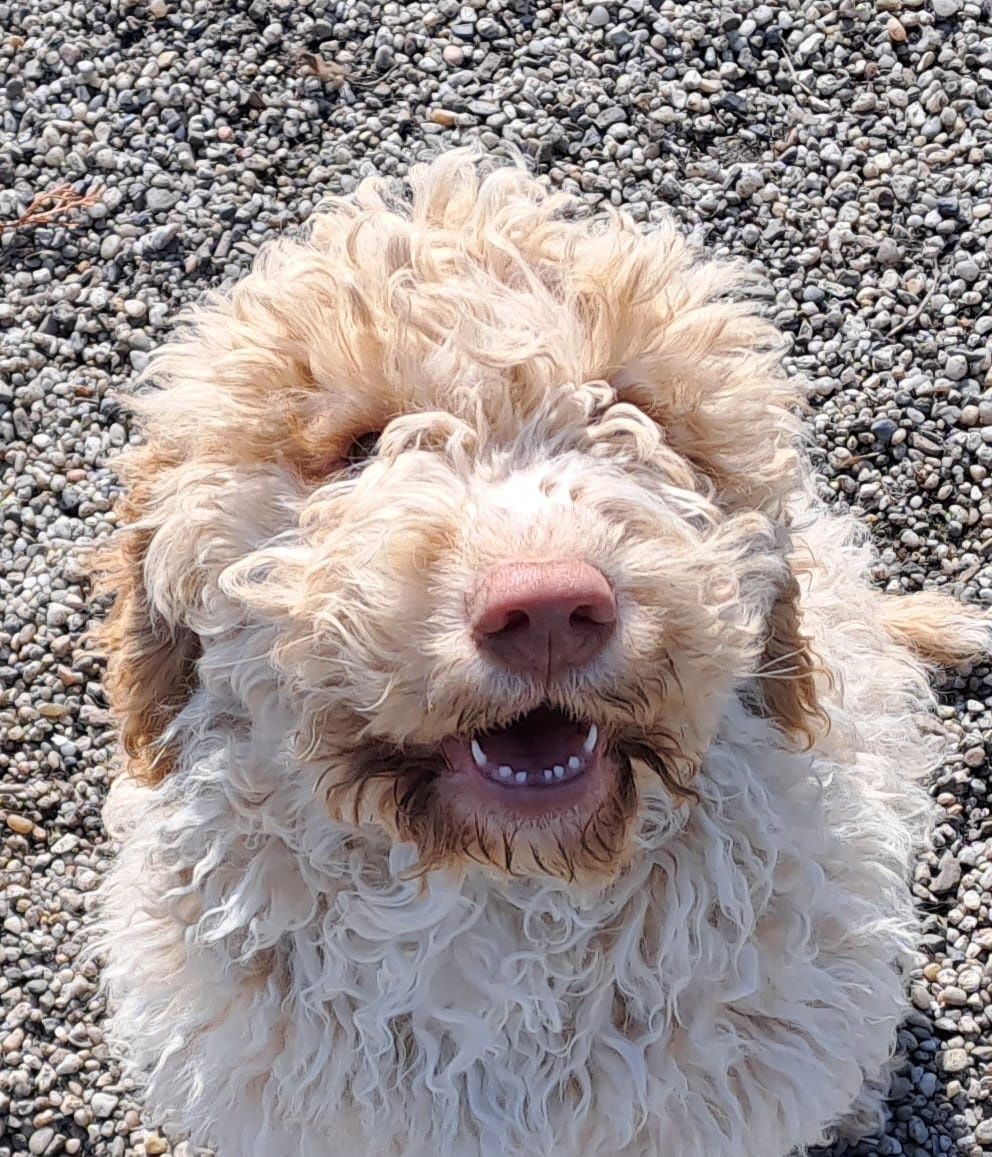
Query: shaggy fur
311	944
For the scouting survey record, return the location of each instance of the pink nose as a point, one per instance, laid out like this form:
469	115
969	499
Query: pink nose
544	618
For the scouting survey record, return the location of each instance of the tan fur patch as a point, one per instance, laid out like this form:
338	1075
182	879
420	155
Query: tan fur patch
151	663
789	671
937	627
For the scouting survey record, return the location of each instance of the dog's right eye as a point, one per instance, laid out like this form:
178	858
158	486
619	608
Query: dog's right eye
362	448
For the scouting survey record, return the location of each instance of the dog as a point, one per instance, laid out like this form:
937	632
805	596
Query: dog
517	759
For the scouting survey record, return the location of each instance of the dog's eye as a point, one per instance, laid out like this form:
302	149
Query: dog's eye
361	449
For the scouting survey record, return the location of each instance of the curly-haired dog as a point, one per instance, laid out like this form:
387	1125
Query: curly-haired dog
519	761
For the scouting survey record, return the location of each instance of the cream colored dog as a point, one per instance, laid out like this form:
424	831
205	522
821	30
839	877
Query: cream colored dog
519	762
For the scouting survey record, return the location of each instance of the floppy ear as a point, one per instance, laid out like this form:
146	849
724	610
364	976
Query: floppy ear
151	658
789	670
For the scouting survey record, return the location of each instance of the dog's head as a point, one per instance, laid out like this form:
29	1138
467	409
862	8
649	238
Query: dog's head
493	493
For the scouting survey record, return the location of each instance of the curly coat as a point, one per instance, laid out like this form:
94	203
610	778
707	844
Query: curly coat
310	944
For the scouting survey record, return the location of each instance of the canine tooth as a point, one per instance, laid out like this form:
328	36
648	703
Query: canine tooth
559	771
478	754
548	775
574	762
591	739
521	777
505	772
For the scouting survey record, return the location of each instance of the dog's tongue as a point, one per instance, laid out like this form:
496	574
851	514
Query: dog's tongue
543	748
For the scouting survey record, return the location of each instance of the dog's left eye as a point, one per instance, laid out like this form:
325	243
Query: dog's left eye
361	449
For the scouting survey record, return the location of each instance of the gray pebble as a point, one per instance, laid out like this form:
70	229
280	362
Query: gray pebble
103	1104
889	253
948	875
40	1140
160	199
956	368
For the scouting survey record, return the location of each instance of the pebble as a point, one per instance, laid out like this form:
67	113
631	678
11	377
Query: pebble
889	253
162	237
954	1060
949	873
956	367
103	1104
40	1140
159	200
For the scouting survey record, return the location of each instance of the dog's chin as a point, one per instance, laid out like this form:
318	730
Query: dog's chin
541	766
544	794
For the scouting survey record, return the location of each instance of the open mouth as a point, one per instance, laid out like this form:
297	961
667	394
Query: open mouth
544	760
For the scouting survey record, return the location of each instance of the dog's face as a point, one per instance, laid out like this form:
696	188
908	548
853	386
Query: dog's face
493	496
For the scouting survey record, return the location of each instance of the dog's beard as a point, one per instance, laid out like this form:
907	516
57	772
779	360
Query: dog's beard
410	795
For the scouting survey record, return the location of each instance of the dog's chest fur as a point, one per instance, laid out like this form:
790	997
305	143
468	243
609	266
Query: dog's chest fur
746	949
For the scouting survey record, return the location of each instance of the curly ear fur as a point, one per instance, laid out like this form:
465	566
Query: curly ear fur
151	661
789	670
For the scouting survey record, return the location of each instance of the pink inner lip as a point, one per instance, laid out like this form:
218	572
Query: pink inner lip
543	752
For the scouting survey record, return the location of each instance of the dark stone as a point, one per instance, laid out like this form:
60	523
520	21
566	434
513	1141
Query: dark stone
733	103
883	429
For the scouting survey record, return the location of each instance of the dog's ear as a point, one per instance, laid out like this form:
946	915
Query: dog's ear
789	670
151	654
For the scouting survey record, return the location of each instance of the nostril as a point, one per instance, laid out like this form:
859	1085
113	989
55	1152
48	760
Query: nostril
586	617
501	622
515	621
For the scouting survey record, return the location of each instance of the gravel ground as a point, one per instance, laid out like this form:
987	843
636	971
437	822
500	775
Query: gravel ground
845	147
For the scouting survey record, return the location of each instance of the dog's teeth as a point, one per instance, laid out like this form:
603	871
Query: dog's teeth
574	762
548	775
591	739
559	771
506	772
478	754
521	777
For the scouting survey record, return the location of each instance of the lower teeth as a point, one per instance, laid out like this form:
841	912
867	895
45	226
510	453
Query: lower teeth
554	774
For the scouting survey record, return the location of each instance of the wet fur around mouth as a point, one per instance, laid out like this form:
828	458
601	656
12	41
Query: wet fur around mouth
410	780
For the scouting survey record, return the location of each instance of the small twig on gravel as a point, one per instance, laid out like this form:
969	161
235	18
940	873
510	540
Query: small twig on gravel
937	278
816	102
329	71
336	75
51	204
787	141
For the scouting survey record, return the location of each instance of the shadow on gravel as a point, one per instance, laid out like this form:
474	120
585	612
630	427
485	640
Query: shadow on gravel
926	1107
